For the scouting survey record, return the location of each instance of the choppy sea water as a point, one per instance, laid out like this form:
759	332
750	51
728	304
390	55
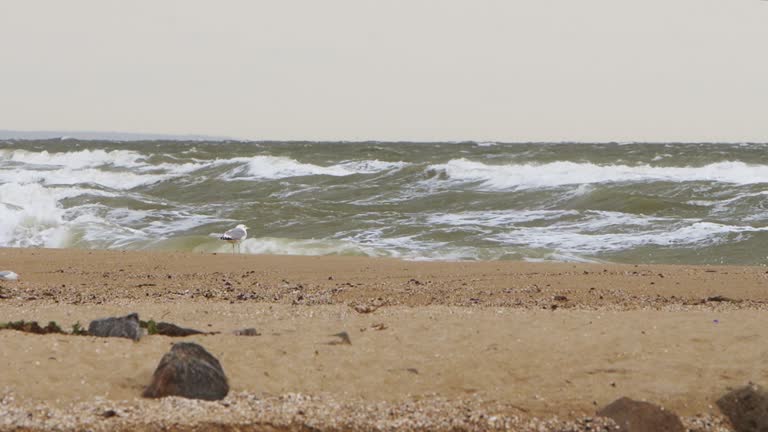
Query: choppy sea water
634	203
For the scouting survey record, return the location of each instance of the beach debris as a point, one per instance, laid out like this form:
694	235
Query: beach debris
188	371
343	339
32	327
246	332
746	408
369	306
125	327
7	275
720	298
378	327
109	413
409	370
78	330
170	329
561	298
365	308
636	416
149	326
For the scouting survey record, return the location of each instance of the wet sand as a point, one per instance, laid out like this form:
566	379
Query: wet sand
509	340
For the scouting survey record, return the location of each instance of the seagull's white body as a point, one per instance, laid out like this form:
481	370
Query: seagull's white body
235	236
8	275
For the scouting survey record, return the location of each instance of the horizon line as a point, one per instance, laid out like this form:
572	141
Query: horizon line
19	135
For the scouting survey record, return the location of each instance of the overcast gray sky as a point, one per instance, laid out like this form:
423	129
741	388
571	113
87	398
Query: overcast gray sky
507	70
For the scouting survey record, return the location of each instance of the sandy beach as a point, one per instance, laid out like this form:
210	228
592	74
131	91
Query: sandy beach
490	345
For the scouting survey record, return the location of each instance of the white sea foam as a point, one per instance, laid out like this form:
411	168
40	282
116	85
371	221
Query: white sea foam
31	214
116	169
497	218
370	166
725	202
75	160
285	246
522	176
119	180
79	160
411	247
563	257
277	167
570	239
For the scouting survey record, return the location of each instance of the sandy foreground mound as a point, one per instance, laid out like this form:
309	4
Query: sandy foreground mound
434	346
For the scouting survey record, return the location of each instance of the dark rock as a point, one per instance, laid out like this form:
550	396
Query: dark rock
719	298
32	327
168	329
746	408
247	332
125	327
189	371
636	416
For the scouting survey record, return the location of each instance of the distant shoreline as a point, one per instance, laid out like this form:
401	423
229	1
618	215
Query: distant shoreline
14	135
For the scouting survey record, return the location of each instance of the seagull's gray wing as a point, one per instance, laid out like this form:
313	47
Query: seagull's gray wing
234	234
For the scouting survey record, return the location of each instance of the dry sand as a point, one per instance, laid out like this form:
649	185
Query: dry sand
492	345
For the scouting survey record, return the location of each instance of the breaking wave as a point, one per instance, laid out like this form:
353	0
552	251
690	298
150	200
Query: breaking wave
522	176
74	160
278	167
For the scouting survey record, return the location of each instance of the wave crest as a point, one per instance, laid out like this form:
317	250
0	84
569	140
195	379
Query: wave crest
553	174
278	167
74	160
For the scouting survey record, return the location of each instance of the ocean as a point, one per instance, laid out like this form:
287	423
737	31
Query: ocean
613	202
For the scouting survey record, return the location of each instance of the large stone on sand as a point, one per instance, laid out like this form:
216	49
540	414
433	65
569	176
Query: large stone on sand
636	416
125	327
189	371
746	408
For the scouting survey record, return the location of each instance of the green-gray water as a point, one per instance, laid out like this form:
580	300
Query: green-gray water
637	203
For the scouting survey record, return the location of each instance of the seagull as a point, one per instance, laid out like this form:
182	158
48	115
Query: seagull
235	236
8	275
